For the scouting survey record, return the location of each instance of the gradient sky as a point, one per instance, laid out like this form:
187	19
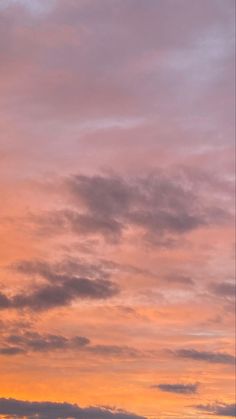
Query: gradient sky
117	209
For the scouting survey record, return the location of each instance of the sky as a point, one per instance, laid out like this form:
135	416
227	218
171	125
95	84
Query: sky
117	209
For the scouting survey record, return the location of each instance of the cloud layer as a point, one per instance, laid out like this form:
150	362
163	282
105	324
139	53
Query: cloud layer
117	208
49	410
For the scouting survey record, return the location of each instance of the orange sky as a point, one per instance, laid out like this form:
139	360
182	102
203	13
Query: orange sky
117	209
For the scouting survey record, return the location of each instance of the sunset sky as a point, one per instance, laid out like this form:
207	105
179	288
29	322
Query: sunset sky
117	209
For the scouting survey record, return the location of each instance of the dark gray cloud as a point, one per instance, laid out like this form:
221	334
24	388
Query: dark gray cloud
50	410
30	341
51	295
211	357
106	195
60	285
177	388
11	350
219	409
160	205
155	203
4	301
223	289
87	224
34	341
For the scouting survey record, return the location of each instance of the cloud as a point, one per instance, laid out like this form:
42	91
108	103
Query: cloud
157	207
51	295
33	341
90	224
211	357
86	81
61	285
51	410
62	270
219	409
11	350
145	202
223	289
30	341
177	388
4	301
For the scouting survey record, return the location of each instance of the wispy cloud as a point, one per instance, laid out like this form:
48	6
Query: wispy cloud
177	388
219	409
206	356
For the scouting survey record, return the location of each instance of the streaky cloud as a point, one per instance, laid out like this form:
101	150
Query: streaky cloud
219	409
206	356
33	342
177	388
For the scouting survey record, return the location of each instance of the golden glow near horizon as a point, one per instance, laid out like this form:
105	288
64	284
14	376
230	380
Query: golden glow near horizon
117	209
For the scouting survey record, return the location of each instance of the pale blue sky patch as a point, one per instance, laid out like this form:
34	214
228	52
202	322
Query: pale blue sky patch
34	6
